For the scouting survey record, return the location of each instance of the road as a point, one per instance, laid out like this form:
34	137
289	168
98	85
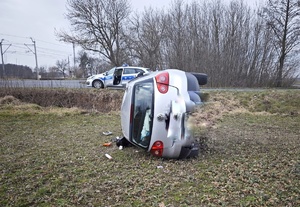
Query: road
43	83
81	84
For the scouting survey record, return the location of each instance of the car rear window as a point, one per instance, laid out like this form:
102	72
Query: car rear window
143	113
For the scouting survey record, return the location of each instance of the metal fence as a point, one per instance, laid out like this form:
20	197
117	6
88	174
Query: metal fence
43	83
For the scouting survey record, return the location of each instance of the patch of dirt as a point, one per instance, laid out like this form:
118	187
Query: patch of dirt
212	111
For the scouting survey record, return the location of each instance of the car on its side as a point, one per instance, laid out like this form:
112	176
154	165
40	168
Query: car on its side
156	109
116	77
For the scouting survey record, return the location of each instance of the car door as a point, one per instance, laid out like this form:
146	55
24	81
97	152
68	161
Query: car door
108	78
128	75
117	77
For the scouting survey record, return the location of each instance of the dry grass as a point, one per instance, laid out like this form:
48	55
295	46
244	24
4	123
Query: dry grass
55	157
92	100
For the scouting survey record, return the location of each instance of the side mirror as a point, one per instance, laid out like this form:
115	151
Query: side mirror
140	74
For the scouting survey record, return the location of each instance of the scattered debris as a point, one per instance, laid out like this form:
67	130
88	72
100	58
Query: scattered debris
107	133
120	147
108	156
115	139
123	142
160	167
107	144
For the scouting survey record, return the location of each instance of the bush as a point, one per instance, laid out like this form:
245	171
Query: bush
97	100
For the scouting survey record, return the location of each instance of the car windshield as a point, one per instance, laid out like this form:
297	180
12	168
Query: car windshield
143	113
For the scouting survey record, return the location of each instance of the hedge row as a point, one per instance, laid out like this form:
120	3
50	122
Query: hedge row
99	100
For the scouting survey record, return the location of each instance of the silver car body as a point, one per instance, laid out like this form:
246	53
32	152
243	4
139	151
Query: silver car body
112	78
155	113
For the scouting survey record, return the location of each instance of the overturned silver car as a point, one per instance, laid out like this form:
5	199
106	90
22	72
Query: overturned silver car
155	112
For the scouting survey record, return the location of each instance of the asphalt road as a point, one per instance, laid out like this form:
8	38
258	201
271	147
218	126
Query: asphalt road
81	84
43	83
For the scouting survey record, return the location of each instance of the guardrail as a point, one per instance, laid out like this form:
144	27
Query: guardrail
43	83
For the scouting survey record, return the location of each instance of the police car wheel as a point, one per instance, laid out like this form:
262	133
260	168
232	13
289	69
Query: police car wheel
97	84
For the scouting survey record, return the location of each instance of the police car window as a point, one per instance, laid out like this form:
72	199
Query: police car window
111	71
129	71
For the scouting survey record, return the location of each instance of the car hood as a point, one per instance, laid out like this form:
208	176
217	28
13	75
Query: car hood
96	76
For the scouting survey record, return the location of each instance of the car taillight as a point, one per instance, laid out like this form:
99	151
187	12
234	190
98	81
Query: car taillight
157	148
162	82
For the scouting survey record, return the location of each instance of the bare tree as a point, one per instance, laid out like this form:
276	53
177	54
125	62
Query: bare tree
83	63
216	26
62	67
283	18
97	25
175	47
146	35
229	42
261	71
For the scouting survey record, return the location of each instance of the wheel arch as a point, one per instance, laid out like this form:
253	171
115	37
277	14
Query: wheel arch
98	80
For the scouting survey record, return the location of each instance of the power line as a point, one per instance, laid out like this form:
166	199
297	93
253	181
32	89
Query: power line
43	51
36	39
51	43
59	51
13	36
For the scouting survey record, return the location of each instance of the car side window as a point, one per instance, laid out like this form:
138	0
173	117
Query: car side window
111	71
129	71
143	113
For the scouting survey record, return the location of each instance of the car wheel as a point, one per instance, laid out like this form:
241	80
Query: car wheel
97	84
193	88
201	77
192	82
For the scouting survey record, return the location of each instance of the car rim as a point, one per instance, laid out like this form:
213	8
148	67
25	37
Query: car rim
97	84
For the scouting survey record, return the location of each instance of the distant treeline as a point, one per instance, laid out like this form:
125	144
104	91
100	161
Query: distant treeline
16	71
235	44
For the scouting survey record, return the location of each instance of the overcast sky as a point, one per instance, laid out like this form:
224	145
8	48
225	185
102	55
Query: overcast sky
38	19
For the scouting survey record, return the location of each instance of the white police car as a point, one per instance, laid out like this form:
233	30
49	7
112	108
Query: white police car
116	77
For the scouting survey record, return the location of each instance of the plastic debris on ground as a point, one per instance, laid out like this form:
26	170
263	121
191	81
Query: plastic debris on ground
107	144
108	156
107	133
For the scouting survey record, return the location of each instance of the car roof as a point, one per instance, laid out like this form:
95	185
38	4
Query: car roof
136	67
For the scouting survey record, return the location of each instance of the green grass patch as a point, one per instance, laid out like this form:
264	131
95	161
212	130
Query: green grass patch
56	157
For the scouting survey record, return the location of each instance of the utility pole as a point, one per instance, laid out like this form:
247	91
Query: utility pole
2	53
74	60
36	62
70	72
74	53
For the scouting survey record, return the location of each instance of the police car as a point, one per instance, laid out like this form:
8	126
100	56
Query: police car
116	77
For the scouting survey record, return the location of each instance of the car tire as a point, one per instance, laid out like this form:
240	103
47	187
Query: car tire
192	82
98	84
201	78
193	88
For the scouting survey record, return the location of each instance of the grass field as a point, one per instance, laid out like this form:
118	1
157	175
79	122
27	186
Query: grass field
55	157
